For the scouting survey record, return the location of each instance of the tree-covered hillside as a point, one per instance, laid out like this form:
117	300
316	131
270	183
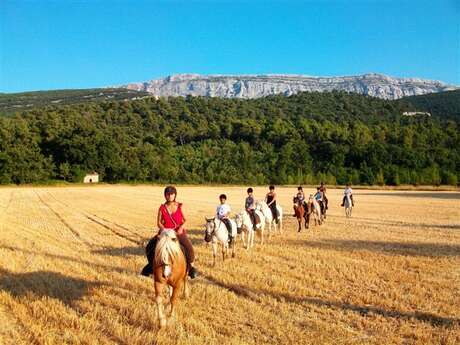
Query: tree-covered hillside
444	105
336	137
17	102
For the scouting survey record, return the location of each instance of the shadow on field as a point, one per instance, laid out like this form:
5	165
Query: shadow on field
31	254
256	296
374	221
394	248
45	284
429	195
196	235
120	251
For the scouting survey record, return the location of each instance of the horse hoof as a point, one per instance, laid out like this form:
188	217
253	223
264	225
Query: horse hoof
233	255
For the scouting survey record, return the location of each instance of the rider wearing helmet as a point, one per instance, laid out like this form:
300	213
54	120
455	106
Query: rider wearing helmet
170	216
223	211
250	207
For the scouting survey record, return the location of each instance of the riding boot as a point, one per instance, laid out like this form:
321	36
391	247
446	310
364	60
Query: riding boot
149	253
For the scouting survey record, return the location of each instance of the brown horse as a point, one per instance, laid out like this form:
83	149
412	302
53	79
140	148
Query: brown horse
301	213
170	269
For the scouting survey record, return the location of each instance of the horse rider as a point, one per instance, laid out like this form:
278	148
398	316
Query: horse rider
300	198
171	216
348	192
319	199
250	206
270	199
322	188
223	211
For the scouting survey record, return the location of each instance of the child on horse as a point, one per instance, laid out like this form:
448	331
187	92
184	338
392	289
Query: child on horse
300	197
170	216
250	207
322	189
223	211
348	192
270	199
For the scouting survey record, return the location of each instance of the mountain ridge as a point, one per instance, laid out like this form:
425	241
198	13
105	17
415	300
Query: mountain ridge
261	85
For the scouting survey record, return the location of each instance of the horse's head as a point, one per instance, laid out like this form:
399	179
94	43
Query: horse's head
210	228
258	205
167	247
239	222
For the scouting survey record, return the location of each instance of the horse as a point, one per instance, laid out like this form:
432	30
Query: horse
244	225
216	232
348	206
170	269
315	209
300	213
267	212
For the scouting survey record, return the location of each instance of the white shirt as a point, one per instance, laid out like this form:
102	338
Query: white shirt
348	192
223	210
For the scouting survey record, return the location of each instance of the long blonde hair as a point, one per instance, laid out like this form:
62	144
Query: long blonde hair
167	248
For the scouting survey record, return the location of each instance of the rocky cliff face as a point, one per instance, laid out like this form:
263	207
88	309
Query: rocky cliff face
254	86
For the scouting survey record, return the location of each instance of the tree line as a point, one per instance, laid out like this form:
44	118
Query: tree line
333	137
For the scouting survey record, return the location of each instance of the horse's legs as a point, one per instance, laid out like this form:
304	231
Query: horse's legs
233	247
186	288
161	316
214	252
175	294
224	250
243	239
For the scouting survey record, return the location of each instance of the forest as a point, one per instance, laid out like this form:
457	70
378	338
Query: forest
334	137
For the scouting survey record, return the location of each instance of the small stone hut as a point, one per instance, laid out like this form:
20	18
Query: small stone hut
91	178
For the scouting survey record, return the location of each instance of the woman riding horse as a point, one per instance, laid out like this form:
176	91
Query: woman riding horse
270	199
170	216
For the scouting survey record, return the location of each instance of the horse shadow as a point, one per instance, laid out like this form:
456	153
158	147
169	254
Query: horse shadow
120	251
256	295
429	195
45	284
385	247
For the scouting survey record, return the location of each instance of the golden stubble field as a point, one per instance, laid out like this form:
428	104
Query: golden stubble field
70	258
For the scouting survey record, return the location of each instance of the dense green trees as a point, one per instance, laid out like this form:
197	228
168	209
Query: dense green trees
335	137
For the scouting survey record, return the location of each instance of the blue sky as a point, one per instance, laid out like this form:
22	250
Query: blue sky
79	44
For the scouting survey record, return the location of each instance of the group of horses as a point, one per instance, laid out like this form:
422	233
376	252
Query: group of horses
217	233
170	266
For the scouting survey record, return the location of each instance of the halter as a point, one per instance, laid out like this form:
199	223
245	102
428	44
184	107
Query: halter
208	236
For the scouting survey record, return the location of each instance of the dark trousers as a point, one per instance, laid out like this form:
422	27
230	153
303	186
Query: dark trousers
274	211
227	223
252	215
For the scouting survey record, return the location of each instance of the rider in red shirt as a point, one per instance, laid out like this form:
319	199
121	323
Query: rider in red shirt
170	216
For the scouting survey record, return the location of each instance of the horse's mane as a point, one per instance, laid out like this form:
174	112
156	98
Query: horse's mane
167	248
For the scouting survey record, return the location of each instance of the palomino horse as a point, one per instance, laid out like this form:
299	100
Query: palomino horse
216	232
267	212
300	213
244	225
348	206
315	209
170	268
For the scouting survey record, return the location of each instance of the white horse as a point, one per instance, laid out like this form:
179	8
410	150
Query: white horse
245	226
263	207
315	209
216	232
348	206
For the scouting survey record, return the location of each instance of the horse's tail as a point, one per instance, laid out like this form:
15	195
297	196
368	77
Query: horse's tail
167	248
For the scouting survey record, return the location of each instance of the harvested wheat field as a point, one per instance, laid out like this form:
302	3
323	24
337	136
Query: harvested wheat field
70	259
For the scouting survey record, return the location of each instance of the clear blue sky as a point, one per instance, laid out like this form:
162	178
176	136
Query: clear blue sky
79	44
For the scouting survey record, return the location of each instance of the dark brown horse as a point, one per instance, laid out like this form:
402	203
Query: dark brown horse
301	213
